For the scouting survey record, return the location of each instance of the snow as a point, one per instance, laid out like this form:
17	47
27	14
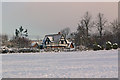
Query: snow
85	64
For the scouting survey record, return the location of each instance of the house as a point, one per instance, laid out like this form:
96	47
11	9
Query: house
36	43
56	41
70	44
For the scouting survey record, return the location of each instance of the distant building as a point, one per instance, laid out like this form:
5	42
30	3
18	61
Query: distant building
36	43
56	41
70	44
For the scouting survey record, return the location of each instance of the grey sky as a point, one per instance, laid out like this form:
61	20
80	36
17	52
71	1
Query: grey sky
42	18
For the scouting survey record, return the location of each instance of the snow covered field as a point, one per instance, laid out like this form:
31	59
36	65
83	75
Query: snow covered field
85	64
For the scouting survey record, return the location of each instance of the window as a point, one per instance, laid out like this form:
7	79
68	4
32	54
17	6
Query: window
62	42
47	41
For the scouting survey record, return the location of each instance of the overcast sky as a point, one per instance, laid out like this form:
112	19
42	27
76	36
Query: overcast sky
41	18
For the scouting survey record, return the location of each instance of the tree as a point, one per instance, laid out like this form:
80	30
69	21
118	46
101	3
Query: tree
115	26
21	37
116	31
65	31
82	34
72	37
101	21
21	32
4	39
86	23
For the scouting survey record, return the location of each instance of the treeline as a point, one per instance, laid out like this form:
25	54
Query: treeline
19	40
98	31
90	33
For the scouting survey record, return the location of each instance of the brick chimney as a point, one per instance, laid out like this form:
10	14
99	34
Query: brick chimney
59	32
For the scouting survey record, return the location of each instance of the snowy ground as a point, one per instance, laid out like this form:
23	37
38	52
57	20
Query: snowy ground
85	64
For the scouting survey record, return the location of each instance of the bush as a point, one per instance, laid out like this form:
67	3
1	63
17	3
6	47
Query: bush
108	45
102	47
97	47
115	46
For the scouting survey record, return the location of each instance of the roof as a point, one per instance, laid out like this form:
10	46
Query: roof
34	43
53	37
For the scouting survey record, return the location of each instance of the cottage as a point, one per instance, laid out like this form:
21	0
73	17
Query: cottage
70	44
56	41
36	43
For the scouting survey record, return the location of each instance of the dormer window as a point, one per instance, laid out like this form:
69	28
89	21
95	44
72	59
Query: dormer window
47	41
62	42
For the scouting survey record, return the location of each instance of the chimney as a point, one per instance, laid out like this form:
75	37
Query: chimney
59	32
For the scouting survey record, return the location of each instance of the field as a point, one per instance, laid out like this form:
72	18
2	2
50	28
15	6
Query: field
85	64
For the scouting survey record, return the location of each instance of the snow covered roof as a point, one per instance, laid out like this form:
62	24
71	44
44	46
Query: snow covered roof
33	43
53	37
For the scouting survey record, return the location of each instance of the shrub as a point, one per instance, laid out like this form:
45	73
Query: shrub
96	47
102	47
115	46
99	47
108	45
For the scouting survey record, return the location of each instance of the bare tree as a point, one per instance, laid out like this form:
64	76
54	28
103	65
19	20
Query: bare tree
101	21
80	35
4	39
83	30
86	23
65	31
116	31
115	26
